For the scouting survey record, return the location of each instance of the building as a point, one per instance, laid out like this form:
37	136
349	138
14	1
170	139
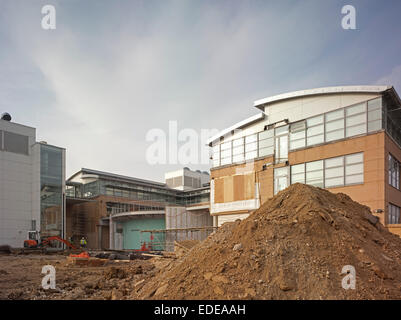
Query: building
119	212
345	139
32	176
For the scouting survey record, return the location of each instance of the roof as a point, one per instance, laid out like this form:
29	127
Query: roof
119	177
238	125
326	90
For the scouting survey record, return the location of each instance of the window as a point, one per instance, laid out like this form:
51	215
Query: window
330	173
15	143
315	130
354	169
297	135
298	173
314	173
375	114
334	172
266	143
355	121
393	214
393	172
280	179
251	146
216	155
238	150
225	153
334	128
281	144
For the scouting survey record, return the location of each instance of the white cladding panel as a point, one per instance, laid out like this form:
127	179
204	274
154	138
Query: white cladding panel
230	218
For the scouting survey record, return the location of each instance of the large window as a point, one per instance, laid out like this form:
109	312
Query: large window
238	150
225	153
375	114
280	179
298	135
251	146
266	143
355	120
334	128
329	173
216	155
393	214
393	172
281	144
315	130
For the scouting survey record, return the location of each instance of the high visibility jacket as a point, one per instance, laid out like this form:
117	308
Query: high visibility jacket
83	241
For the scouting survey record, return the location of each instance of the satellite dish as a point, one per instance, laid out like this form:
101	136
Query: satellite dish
6	116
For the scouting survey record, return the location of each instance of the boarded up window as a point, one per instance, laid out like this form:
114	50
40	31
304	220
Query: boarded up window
16	143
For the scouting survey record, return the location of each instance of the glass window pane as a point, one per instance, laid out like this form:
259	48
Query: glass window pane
225	161
251	146
314	175
354	158
251	155
238	158
354	169
266	143
298	168
238	142
354	179
374	125
334	125
334	162
334	182
266	134
266	151
335	135
216	163
297	135
226	153
314	121
281	130
300	177
375	115
298	126
297	144
251	138
353	131
337	114
354	120
226	145
315	165
334	172
238	150
315	140
281	172
355	109
375	104
315	130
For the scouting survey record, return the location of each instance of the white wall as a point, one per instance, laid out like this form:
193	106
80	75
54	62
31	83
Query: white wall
19	193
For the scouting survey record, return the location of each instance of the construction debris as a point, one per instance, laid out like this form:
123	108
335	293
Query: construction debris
296	246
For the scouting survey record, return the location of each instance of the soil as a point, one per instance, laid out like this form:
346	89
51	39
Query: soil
294	247
21	278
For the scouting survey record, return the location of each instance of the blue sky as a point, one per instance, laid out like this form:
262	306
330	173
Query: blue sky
113	70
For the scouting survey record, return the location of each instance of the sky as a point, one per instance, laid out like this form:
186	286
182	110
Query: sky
113	71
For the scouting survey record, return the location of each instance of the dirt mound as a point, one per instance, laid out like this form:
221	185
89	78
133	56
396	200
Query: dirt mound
294	247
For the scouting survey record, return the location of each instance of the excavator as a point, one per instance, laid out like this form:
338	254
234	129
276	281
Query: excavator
34	241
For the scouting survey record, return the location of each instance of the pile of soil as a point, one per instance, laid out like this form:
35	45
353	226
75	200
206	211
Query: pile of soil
294	247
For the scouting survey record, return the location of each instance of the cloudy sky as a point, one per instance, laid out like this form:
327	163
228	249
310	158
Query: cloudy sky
114	70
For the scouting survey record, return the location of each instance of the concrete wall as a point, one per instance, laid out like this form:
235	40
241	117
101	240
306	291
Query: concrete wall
19	191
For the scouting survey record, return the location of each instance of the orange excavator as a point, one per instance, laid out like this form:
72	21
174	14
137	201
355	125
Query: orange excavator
34	242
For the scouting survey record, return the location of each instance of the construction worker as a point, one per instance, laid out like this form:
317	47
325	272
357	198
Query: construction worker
83	242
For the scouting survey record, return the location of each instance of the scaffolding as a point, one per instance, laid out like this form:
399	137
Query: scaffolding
163	239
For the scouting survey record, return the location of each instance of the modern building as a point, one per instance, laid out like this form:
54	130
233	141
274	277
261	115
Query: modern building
345	139
119	212
32	184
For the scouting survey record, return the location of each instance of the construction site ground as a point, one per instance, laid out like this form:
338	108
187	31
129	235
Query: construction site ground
21	277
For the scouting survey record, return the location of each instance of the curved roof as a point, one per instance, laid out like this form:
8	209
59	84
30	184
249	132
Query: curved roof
326	90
